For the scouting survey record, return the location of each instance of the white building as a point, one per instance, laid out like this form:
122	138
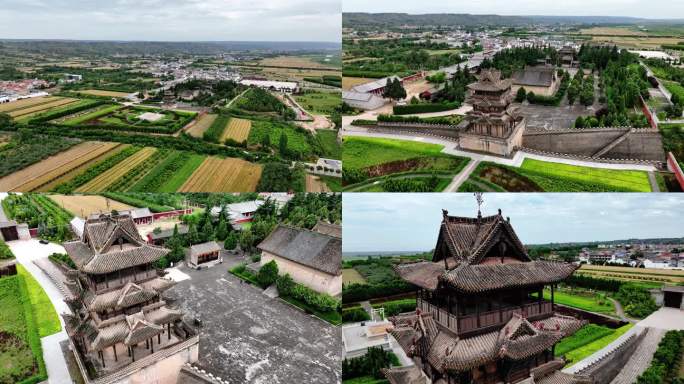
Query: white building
361	100
280	86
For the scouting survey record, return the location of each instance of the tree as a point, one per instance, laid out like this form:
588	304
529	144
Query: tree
268	274
285	285
247	241
520	95
231	241
266	141
579	122
282	144
221	229
193	235
5	121
394	90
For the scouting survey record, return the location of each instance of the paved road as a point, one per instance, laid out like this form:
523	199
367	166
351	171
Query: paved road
462	176
516	161
26	252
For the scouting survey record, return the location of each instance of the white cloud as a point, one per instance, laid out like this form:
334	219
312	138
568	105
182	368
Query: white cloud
392	222
173	20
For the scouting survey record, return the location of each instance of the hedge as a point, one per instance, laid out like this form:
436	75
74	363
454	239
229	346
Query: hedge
354	315
424	108
65	112
666	360
320	301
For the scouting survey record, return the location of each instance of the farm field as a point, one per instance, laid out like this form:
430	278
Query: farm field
351	276
292	61
634	274
19	154
585	302
136	118
582	337
109	177
220	175
202	124
297	140
85	205
98	92
26	103
176	180
319	103
52	168
535	175
237	130
315	184
89	114
328	140
637	42
46	315
35	109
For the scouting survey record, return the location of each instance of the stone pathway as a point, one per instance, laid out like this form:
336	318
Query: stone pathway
462	176
654	183
641	358
621	312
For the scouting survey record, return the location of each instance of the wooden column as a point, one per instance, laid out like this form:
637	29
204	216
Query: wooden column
116	358
540	294
169	331
552	301
477	311
159	338
152	344
133	352
147	344
128	349
101	357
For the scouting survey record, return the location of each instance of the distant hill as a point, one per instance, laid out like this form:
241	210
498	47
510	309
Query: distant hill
85	47
356	19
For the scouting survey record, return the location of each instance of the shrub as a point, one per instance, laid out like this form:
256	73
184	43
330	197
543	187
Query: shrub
424	108
636	300
354	315
369	364
268	274
320	301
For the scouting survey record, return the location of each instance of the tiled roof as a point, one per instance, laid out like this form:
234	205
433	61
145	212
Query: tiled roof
99	252
309	248
534	76
328	229
491	81
204	248
420	335
488	277
405	375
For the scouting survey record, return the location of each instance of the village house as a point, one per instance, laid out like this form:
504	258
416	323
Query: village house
362	100
376	87
239	213
204	255
541	80
162	236
279	86
312	258
481	316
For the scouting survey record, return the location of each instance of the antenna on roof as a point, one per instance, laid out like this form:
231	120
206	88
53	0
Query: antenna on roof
479	199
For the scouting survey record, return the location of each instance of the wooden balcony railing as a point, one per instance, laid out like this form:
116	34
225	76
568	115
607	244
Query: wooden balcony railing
473	322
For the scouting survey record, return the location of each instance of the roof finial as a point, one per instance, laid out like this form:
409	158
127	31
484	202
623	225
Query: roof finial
479	199
499	211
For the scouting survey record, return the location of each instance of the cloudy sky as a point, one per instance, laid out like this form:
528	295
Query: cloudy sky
172	20
410	222
635	8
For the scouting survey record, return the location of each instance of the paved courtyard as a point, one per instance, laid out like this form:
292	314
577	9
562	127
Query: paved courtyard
247	337
665	318
563	116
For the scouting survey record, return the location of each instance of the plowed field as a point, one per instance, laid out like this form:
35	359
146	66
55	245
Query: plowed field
238	130
223	175
201	125
37	175
105	179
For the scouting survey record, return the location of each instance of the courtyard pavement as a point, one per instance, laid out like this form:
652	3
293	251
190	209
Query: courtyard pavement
247	337
26	252
665	318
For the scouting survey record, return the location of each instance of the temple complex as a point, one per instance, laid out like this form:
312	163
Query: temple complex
481	315
120	320
492	126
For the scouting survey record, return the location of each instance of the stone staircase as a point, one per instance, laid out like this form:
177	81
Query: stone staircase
641	358
612	144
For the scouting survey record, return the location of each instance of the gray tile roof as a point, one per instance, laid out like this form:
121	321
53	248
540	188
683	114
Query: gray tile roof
201	249
309	248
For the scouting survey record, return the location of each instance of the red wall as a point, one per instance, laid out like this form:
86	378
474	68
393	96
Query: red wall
673	166
164	215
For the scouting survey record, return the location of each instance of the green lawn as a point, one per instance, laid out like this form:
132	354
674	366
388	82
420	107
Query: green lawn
297	139
674	88
179	177
584	336
536	176
319	103
587	303
328	139
580	353
21	355
373	187
46	315
619	180
102	111
362	152
334	183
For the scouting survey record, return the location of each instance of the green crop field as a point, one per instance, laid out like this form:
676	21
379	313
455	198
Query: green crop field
46	315
328	139
580	353
319	103
173	183
675	88
587	303
297	139
584	336
535	175
105	110
362	152
351	276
